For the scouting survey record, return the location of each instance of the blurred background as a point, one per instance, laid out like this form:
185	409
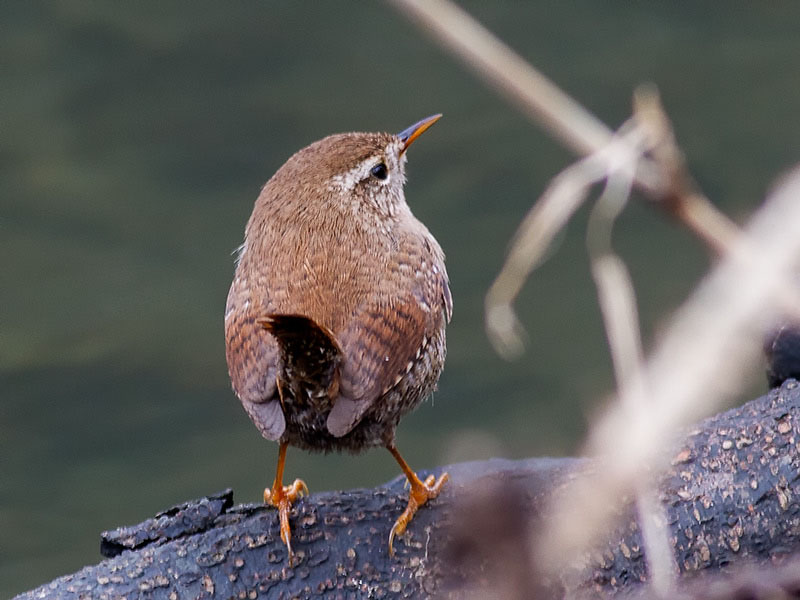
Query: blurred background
135	137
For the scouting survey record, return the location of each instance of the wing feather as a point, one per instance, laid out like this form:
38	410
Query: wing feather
252	355
381	344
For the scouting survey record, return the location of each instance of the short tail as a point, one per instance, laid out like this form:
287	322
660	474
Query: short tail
309	351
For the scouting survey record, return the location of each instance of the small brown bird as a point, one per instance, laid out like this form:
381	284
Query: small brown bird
335	320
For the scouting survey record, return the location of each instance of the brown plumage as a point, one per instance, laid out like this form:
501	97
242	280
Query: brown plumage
335	320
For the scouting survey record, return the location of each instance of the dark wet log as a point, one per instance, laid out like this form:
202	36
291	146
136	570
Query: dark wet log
782	351
731	498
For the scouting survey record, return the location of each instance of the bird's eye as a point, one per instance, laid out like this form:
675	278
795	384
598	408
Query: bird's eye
380	171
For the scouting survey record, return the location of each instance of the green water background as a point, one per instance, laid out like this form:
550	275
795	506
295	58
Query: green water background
134	138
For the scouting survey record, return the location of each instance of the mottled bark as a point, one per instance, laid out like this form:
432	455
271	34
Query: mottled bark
731	499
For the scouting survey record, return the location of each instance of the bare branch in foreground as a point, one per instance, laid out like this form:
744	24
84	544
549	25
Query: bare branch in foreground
533	93
699	362
544	221
662	175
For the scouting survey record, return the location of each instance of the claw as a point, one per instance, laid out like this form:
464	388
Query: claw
300	487
419	494
282	497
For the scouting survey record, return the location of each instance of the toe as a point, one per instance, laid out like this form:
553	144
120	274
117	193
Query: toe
436	486
298	489
399	528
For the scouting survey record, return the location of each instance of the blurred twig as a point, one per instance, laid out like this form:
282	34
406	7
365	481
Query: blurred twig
662	176
661	173
546	218
533	93
617	300
698	363
713	336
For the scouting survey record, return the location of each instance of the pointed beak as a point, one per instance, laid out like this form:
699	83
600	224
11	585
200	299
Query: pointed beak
407	136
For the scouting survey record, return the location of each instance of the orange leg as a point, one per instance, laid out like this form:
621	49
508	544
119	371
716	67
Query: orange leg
418	495
282	497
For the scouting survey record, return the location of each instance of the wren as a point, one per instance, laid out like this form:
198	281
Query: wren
335	320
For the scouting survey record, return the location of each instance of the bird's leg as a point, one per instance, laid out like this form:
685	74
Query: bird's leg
282	498
418	495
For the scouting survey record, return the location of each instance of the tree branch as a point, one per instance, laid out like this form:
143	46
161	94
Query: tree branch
730	496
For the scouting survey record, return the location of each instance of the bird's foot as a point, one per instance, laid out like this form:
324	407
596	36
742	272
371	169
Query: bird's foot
282	497
420	493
